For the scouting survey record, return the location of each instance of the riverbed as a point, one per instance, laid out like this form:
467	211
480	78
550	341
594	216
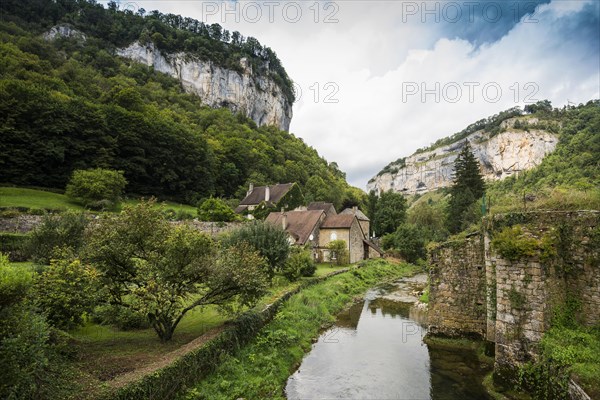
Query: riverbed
375	350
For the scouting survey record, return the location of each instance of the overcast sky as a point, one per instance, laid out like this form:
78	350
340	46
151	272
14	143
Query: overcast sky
378	79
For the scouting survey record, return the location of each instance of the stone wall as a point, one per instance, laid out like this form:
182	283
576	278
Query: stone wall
457	289
511	300
25	223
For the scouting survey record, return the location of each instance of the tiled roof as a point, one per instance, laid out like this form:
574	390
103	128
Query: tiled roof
258	194
338	221
359	214
322	205
299	224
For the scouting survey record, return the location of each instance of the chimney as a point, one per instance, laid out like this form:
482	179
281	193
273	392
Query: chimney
284	220
354	209
250	189
267	193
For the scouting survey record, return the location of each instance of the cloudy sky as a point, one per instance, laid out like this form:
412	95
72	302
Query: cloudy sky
378	79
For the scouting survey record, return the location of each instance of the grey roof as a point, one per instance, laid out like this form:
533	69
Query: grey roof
338	221
258	194
322	205
359	214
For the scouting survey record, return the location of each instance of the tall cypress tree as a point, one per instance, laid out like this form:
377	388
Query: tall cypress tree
467	188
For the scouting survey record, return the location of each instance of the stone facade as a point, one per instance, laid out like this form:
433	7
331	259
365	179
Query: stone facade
457	289
475	290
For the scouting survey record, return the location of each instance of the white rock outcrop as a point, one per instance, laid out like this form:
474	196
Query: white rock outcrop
503	155
260	98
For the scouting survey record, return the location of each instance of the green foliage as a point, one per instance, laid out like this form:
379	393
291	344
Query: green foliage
154	268
514	244
216	210
15	245
270	241
339	252
29	353
292	199
97	189
123	318
467	188
65	291
74	106
57	231
14	283
408	240
517	299
299	263
390	213
430	218
424	298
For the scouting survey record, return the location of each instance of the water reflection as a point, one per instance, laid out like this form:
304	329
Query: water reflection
375	351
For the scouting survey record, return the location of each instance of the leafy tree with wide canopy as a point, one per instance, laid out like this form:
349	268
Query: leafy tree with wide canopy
164	271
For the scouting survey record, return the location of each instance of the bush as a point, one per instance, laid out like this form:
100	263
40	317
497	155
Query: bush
122	318
98	189
216	210
339	252
65	291
56	232
15	245
513	244
300	263
270	241
14	283
409	240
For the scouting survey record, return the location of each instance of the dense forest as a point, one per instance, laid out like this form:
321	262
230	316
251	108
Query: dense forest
72	104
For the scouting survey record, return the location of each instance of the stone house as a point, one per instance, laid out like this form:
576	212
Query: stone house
319	224
265	198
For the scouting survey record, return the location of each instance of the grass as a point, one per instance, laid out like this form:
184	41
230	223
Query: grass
578	349
326	268
35	199
25	264
260	369
41	199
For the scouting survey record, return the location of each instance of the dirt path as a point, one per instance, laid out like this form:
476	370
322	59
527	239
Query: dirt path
166	359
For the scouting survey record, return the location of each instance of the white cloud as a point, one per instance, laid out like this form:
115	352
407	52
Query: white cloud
370	53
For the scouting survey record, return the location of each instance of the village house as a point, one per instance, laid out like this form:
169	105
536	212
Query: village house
272	197
319	224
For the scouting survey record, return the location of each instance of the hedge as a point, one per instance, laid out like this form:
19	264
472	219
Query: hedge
15	244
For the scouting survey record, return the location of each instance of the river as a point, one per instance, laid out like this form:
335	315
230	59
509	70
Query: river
375	350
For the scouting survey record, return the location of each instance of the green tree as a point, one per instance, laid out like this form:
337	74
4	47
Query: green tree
430	218
164	271
96	188
65	291
270	241
467	188
216	210
339	252
408	240
390	213
57	231
299	263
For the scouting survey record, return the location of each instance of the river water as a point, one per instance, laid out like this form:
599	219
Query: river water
375	350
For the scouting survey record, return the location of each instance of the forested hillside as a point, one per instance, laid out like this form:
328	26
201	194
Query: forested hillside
72	104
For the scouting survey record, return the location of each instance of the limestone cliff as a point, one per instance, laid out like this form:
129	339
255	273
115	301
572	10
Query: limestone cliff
500	155
257	96
260	98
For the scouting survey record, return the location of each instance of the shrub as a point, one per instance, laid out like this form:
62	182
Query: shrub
14	283
97	188
339	252
408	240
513	244
123	318
15	245
56	231
300	263
216	210
270	241
65	291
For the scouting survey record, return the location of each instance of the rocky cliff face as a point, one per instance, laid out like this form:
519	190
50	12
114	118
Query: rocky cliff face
260	98
502	155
